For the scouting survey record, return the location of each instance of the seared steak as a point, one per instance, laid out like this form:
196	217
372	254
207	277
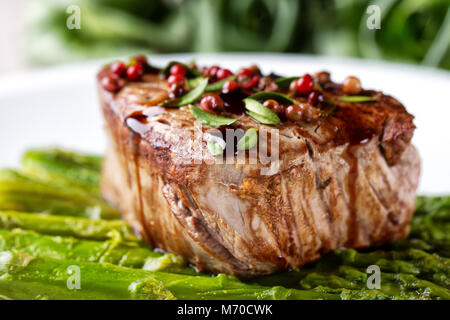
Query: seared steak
346	177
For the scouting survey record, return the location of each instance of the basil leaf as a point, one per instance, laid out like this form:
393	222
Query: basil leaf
260	118
249	139
264	95
189	97
190	72
217	86
260	113
284	83
194	82
214	148
209	119
356	99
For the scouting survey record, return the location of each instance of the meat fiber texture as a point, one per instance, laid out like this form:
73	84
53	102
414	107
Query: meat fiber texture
251	219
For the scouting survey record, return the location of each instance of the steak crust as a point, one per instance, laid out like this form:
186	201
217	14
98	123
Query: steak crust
347	179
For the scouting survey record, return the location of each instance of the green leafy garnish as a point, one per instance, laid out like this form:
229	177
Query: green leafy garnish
264	95
259	118
194	82
249	139
214	148
189	97
217	86
283	83
189	71
260	113
209	119
356	99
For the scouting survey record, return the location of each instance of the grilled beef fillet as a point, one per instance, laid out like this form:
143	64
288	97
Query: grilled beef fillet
346	177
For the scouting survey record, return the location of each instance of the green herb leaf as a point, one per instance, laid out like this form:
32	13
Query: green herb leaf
260	113
284	83
194	82
249	139
190	72
214	148
356	99
259	118
217	86
264	95
189	97
209	119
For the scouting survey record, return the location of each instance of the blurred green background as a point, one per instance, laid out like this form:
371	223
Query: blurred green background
416	31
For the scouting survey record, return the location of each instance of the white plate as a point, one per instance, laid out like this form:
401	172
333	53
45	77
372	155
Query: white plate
59	106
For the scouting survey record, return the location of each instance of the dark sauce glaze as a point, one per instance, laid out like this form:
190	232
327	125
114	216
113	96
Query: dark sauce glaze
136	123
135	140
139	116
137	120
355	127
359	122
353	229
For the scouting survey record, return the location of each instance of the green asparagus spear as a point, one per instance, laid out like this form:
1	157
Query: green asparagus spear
77	227
127	254
26	277
351	283
289	279
314	279
439	247
21	193
431	231
426	289
437	208
228	287
411	261
63	167
345	271
364	294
